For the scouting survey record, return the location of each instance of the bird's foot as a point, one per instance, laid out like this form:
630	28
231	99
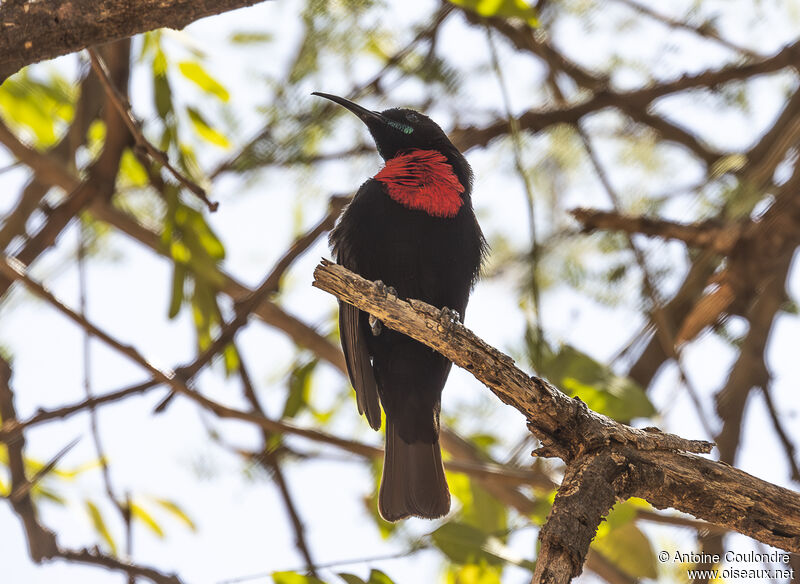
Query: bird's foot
385	290
375	325
449	318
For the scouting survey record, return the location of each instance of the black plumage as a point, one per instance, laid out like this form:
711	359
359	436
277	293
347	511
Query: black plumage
413	228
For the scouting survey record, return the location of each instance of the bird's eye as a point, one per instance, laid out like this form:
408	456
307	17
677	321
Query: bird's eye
412	117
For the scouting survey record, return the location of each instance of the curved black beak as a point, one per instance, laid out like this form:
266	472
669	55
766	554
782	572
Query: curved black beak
363	113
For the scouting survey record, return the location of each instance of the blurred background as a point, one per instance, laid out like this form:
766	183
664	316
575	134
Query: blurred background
636	171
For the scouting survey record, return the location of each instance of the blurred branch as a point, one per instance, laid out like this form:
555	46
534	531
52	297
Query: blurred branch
665	333
535	120
100	177
750	369
35	31
270	460
301	334
120	103
42	543
86	111
705	30
178	382
788	445
428	32
710	234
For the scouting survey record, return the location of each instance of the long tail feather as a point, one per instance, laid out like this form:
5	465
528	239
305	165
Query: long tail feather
413	482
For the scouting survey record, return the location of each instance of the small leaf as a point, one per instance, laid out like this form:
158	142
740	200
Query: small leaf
462	543
578	375
501	9
100	527
378	577
162	95
629	549
205	131
294	578
137	512
177	512
474	574
230	357
131	170
351	578
178	279
299	389
48	494
248	38
194	72
729	163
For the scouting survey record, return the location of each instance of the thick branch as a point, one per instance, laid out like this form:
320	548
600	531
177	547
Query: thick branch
572	523
35	31
658	466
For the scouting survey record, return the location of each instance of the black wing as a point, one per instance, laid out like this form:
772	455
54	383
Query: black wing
353	326
359	366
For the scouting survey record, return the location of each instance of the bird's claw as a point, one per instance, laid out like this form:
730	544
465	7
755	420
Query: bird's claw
449	318
385	290
375	325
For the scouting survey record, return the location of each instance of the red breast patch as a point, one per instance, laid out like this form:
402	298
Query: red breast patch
423	180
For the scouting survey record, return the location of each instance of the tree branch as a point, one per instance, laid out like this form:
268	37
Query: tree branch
535	120
35	31
648	463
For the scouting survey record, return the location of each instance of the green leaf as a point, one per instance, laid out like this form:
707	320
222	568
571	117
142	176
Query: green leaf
294	578
462	543
179	252
137	512
478	507
230	357
162	95
95	137
100	527
378	577
299	389
501	9
131	170
39	109
178	279
465	544
45	493
205	131
248	37
578	375
729	163
629	549
474	574
616	398
194	72
177	511
351	578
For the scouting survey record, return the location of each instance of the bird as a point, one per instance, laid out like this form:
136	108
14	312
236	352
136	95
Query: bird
412	229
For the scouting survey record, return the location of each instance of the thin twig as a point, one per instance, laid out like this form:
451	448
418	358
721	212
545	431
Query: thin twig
269	285
516	142
121	104
788	445
270	459
663	328
706	30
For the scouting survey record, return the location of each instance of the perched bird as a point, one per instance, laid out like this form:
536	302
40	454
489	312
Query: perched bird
412	227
